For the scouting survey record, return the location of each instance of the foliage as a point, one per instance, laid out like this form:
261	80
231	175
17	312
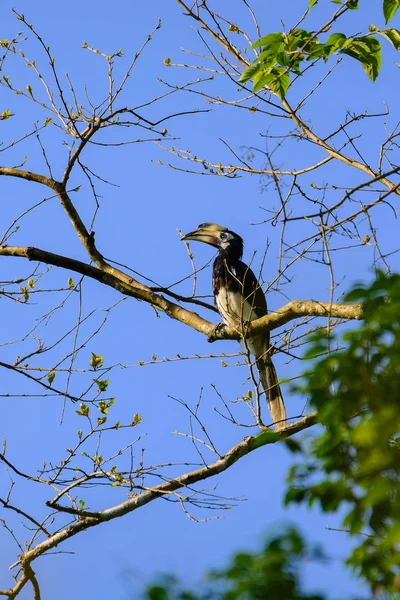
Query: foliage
354	465
273	572
283	55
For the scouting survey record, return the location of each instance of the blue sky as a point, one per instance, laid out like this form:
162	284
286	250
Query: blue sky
136	225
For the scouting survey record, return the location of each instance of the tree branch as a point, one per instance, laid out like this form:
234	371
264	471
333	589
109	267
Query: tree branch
244	447
85	237
118	280
28	176
128	286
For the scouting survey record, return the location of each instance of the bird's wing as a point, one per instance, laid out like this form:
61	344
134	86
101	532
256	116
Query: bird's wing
251	290
260	346
238	295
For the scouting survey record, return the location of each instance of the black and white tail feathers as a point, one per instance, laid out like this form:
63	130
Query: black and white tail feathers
269	382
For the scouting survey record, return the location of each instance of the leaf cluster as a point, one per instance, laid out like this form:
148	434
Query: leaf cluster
355	463
282	55
273	572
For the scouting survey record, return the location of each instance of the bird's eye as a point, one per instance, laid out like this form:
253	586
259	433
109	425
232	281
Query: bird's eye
223	236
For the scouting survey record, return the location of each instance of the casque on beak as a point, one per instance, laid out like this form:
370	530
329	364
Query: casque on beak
207	235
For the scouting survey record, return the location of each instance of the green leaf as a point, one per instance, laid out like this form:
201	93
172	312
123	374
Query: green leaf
269	56
269	41
6	115
102	385
104	405
294	495
318	51
51	377
47	121
136	419
71	283
333	44
311	3
259	82
390	7
96	361
84	410
250	72
293	445
277	80
261	73
367	50
335	41
393	35
299	39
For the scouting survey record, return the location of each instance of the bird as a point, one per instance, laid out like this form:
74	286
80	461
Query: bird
239	300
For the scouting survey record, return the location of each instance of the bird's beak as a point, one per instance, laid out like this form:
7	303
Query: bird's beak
207	236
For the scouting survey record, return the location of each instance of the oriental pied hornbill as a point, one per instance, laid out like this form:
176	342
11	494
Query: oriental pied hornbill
239	299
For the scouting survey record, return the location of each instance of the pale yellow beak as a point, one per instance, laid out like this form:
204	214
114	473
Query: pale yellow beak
207	236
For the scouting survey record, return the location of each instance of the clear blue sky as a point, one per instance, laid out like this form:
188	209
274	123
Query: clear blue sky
136	225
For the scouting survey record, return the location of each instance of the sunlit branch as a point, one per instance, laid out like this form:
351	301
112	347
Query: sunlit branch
243	448
292	310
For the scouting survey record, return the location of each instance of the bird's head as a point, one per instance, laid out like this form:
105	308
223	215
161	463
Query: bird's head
216	235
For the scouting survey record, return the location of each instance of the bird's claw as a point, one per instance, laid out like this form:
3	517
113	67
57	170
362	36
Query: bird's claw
215	334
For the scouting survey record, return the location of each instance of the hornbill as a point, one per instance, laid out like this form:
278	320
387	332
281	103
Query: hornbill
240	299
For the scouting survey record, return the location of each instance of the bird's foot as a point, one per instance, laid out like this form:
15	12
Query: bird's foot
215	334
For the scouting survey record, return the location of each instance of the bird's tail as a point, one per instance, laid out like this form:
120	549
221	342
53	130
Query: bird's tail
269	382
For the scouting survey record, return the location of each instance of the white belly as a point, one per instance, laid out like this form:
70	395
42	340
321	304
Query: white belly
233	309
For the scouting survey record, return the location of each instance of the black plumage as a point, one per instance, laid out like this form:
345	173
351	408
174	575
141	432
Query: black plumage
240	299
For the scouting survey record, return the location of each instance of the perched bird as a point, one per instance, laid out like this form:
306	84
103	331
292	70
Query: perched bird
240	299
